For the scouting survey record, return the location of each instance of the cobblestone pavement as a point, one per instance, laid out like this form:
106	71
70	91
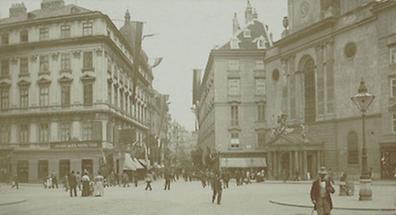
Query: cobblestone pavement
187	198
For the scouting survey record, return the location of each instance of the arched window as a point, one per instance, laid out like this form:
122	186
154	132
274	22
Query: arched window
352	144
307	66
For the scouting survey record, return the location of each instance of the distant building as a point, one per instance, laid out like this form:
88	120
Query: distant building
66	86
230	99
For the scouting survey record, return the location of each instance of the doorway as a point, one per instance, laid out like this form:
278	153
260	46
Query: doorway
23	171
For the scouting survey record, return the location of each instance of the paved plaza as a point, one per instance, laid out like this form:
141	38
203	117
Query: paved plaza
186	198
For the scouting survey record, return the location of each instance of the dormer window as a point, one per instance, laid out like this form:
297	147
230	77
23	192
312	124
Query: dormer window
247	33
260	44
234	43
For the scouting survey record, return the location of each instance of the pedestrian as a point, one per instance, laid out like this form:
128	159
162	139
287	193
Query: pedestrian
54	180
49	182
167	176
226	179
72	179
66	183
125	179
99	188
135	179
148	179
85	185
78	179
217	189
320	193
15	182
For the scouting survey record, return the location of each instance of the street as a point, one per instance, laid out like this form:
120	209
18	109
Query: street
183	198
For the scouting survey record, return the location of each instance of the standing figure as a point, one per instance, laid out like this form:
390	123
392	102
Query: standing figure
320	193
15	182
168	177
226	179
78	179
217	189
85	184
125	179
72	184
148	179
99	187
54	180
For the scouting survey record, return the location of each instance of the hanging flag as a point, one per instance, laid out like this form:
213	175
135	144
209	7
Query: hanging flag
137	47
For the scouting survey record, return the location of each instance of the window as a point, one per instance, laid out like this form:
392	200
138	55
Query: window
233	86
4	134
87	28
260	86
393	87
261	138
4	98
122	99
394	123
44	64
44	96
275	75
87	130
234	140
44	34
24	133
4	39
88	94
87	60
392	55
353	153
261	44
65	95
5	68
233	65
261	112
44	133
24	65
65	31
24	36
65	131
115	96
109	93
350	49
23	97
234	115
65	62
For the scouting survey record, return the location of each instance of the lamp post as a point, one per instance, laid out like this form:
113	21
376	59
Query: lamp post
363	99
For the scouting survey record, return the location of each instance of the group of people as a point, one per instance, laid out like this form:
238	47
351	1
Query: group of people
51	182
85	184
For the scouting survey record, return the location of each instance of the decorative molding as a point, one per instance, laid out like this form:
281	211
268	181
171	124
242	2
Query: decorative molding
44	81
55	56
77	54
99	52
23	83
65	80
33	58
87	78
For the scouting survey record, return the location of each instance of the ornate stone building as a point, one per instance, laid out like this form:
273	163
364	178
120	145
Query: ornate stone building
326	49
67	83
230	100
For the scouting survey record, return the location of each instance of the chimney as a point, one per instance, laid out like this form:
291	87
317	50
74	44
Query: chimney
17	9
52	4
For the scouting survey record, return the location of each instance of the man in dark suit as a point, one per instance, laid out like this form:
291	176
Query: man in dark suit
217	188
72	183
167	176
320	193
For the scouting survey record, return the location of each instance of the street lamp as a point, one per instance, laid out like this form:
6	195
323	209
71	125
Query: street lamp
362	100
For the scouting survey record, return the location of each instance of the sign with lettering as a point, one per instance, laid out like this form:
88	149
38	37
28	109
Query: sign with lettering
74	145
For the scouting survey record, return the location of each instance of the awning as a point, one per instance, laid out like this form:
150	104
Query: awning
243	162
131	163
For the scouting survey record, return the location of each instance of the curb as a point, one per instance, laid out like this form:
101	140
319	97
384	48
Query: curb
334	208
12	203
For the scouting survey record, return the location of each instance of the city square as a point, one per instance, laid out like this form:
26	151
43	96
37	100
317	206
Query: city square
198	107
187	198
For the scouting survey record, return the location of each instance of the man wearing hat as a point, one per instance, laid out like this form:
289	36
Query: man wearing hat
320	193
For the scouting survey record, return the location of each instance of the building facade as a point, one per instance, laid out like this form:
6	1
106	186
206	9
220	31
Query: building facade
326	49
230	100
67	84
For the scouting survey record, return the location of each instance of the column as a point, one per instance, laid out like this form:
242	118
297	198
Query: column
290	164
269	164
296	162
305	164
275	164
317	153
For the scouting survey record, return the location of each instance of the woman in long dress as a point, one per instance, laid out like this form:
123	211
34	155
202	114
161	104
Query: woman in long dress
99	186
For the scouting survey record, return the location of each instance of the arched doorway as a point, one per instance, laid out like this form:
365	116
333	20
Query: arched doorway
307	66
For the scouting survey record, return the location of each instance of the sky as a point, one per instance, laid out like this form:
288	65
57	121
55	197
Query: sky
186	31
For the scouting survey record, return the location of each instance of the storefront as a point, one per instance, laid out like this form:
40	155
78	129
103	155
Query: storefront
388	160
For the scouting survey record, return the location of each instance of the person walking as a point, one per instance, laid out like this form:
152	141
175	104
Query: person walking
167	177
320	193
217	188
85	184
148	179
54	180
125	179
99	188
78	179
15	182
72	184
226	179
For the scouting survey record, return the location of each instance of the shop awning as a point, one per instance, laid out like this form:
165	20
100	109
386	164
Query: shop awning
243	162
131	163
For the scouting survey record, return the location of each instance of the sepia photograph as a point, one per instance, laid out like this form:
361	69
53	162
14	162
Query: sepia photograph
198	107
